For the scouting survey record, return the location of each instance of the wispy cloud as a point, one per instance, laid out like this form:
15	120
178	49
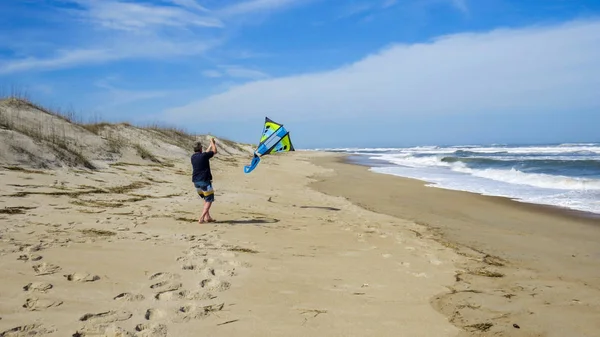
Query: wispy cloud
530	70
101	31
145	48
235	71
254	6
128	15
355	9
139	16
243	72
192	4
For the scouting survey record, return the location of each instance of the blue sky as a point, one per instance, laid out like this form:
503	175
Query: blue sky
336	73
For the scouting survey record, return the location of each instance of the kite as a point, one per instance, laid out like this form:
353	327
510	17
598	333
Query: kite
275	138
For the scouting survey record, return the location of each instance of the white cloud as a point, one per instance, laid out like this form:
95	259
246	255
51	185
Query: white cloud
192	4
518	71
242	72
62	59
254	6
137	16
355	9
235	71
146	47
112	30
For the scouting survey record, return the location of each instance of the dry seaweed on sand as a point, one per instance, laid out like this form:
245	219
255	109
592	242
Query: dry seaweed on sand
15	210
25	170
480	326
228	322
127	188
97	232
242	250
494	260
317	312
486	273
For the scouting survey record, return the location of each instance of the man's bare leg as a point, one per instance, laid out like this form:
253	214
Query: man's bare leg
205	213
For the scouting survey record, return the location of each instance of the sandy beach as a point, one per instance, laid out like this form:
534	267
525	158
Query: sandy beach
303	246
119	252
529	265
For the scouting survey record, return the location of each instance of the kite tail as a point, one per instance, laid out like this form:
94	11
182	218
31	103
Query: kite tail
253	164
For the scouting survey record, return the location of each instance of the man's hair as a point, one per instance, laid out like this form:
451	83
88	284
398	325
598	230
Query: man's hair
198	147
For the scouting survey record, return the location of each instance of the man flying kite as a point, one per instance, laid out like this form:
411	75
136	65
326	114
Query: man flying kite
202	177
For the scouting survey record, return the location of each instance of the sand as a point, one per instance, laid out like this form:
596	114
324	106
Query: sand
119	252
529	265
303	246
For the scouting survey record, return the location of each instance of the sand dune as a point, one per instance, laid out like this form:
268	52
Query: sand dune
35	137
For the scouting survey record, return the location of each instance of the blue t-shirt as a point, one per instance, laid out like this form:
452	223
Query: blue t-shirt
201	166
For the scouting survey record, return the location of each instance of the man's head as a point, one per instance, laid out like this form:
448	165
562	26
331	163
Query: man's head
198	147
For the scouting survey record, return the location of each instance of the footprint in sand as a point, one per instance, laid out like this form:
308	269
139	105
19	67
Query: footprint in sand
27	330
215	284
167	285
164	276
184	295
151	330
104	331
189	312
154	314
45	269
129	297
82	277
29	257
38	304
189	266
38	286
36	248
106	317
209	272
165	282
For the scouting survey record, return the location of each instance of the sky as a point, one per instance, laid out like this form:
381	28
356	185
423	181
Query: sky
344	73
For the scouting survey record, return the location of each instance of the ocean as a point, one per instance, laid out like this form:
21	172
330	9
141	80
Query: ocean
564	175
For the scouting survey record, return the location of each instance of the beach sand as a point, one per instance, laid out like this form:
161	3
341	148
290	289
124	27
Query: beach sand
119	252
304	246
529	265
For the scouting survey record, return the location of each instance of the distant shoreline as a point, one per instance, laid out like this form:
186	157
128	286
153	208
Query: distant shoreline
357	160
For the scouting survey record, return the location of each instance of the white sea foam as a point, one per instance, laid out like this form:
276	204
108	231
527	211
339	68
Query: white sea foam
551	188
578	199
513	176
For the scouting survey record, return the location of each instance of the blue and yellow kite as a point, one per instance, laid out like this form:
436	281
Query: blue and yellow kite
275	138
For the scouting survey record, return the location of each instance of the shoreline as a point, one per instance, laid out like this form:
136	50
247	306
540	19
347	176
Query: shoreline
513	250
559	210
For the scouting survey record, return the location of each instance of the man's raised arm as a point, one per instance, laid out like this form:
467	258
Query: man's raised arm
213	146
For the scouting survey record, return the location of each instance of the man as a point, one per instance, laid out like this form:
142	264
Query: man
202	177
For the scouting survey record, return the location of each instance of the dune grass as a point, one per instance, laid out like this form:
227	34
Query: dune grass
57	134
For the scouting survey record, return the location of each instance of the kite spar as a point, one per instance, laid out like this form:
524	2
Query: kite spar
275	138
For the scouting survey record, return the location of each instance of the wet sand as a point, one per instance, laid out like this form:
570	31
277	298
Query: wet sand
528	265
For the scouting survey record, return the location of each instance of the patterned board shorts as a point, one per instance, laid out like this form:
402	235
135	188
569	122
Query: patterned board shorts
205	190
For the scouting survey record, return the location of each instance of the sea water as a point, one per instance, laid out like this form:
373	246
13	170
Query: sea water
564	175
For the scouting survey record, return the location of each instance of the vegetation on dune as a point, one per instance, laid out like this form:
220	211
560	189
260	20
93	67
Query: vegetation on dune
65	143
